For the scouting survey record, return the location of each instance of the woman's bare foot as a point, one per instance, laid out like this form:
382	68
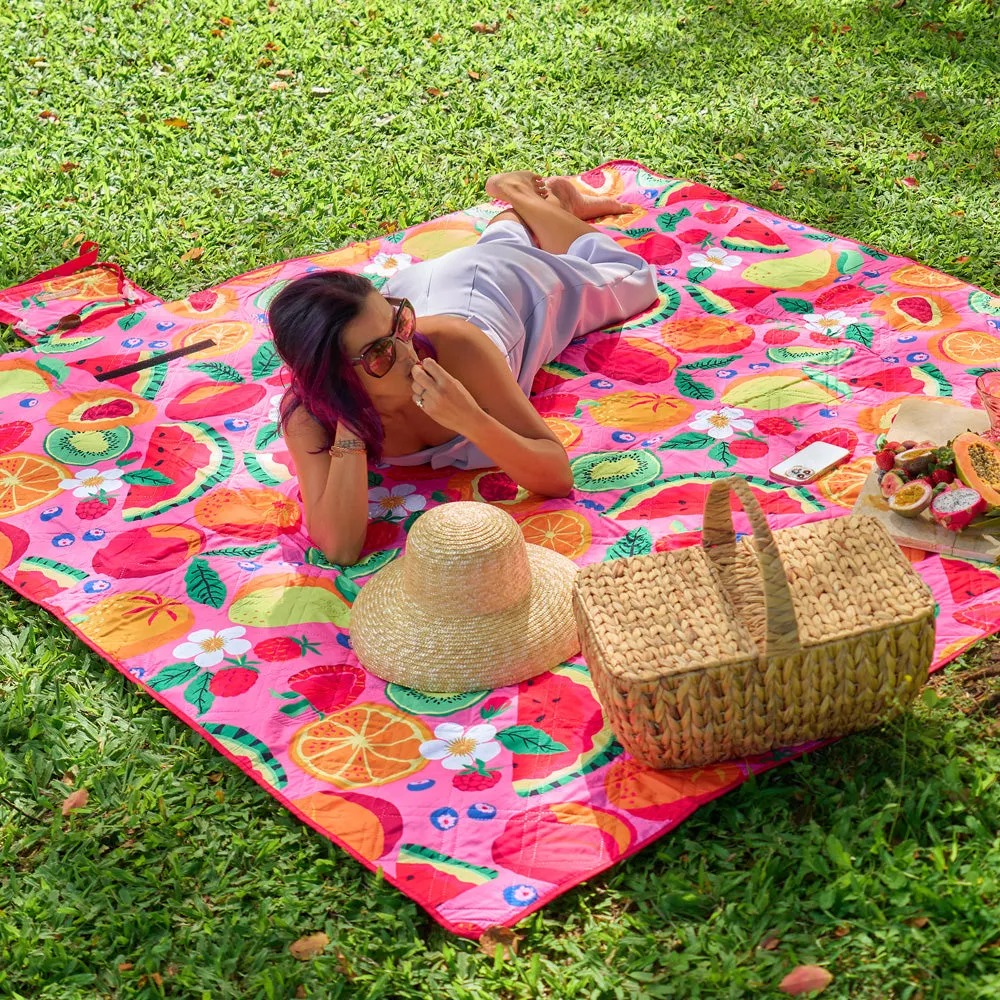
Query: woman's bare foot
522	182
583	206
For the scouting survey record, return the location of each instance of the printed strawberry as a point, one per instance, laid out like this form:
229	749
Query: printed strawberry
95	507
694	236
780	336
942	476
473	780
232	681
283	648
748	447
885	459
777	425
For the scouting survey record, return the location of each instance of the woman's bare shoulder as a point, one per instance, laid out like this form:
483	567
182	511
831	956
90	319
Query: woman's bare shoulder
303	431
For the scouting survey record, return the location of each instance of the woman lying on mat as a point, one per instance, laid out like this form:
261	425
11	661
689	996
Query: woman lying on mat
438	366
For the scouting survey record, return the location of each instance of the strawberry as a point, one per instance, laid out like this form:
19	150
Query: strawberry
885	459
283	648
694	236
777	425
779	336
231	681
942	476
748	447
475	779
90	510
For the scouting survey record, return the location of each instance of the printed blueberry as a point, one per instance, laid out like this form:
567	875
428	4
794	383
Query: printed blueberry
248	565
482	810
139	672
311	268
601	383
843	279
64	540
870	274
891	360
591	504
236	424
94	535
261	317
758	365
50	512
726	373
917	357
668	272
796	226
623	437
827	413
132	342
420	786
994	324
520	895
650	193
775	222
344	640
96	586
166	325
651	441
158	344
29	402
908	339
444	819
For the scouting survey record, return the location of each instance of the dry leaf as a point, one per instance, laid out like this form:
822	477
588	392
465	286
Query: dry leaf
842	931
344	967
215	777
959	212
814	100
67	167
806	979
931	26
277	172
918	95
919	155
435	38
220	795
49	115
72	242
472	74
309	946
770	943
193	254
959	36
359	71
176	122
125	967
962	259
996	152
910	182
279	85
226	21
898	4
320	91
271	47
264	61
739	156
433	91
934	140
499	937
272	8
486	29
777	186
172	969
918	921
75	800
300	993
157	978
218	33
69	778
286	74
89	30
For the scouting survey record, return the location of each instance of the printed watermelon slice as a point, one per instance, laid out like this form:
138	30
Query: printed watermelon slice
685	191
192	455
563	704
744	298
752	236
967	581
434	877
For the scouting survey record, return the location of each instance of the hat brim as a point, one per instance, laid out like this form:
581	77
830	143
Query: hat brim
401	642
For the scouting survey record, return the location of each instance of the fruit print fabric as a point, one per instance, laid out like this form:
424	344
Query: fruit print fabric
156	514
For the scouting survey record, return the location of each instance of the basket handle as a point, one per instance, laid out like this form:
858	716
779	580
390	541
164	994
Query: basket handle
719	541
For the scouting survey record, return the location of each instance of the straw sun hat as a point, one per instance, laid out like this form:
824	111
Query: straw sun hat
469	606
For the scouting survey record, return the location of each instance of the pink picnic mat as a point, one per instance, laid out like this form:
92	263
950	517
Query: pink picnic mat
155	514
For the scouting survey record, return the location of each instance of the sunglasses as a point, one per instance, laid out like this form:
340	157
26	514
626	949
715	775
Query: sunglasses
380	355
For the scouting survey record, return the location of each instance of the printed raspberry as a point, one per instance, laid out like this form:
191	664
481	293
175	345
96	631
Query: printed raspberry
777	425
283	648
90	510
748	447
475	781
885	459
232	681
694	235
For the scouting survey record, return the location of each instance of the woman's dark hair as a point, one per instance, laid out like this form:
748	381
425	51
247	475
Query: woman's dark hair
307	319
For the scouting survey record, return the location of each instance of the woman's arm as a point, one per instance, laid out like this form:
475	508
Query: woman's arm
478	397
334	487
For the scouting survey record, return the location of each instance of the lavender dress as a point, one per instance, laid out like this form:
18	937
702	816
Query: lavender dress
529	302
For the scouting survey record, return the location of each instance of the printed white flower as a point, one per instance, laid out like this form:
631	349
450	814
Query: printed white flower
207	648
385	265
832	323
720	424
397	502
716	257
457	747
90	482
274	405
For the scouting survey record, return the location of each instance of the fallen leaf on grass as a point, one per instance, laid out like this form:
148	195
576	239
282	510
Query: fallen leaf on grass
918	95
499	937
271	47
72	242
435	38
279	85
89	30
486	29
193	254
320	91
300	993
910	182
918	922
285	74
226	22
899	3
157	978
934	140
806	979
842	931
68	166
277	172
75	800
125	967
49	116
959	36
814	100
996	152
176	122
218	33
962	259
473	75
770	943
434	92
920	155
777	186
309	946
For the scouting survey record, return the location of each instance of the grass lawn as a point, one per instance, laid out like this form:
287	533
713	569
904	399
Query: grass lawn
877	858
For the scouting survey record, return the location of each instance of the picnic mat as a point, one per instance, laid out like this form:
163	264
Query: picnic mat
154	512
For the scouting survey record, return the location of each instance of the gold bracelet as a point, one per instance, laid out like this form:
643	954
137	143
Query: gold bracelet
351	446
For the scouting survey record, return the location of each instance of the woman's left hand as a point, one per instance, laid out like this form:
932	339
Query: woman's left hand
442	397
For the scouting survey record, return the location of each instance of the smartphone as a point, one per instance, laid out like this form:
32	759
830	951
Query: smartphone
810	463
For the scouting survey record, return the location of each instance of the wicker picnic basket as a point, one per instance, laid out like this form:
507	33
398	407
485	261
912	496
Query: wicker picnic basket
732	648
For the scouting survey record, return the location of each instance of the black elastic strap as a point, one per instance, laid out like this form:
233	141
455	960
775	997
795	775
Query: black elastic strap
158	359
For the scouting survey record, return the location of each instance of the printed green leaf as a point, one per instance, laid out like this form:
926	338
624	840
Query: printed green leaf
243	551
297	708
146	477
699	274
668	222
174	674
349	590
707	363
636	234
688	441
976	372
942	383
133	319
315	557
217	371
267	435
800	306
204	585
719	452
860	333
822	237
374	479
265	361
877	254
396	237
637	542
197	693
528	739
687	386
371	563
56	368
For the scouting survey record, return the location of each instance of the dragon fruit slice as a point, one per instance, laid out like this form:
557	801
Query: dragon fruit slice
954	509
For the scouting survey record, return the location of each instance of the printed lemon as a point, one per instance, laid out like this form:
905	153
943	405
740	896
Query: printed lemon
568	434
563	531
844	484
707	334
966	347
640	411
360	746
95	283
778	389
134	622
28	480
228	336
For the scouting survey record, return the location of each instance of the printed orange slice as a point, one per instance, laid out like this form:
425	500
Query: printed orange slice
28	480
843	485
563	531
567	433
228	335
966	347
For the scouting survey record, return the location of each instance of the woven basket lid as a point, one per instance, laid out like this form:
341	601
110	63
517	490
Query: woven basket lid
469	605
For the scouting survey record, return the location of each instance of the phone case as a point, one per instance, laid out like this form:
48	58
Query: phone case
809	464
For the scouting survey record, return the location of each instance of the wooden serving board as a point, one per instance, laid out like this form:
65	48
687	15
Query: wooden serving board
930	420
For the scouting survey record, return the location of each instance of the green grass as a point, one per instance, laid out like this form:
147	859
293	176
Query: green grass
183	867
